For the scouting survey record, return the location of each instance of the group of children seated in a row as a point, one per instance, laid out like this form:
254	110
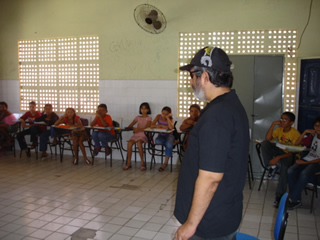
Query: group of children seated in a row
293	173
101	137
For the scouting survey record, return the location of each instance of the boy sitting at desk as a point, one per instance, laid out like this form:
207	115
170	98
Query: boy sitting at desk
101	137
48	118
30	117
272	155
300	173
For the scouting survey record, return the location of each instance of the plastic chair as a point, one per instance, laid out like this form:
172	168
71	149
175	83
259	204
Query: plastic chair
160	150
265	169
280	224
313	188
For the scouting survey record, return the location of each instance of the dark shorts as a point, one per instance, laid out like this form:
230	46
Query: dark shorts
82	133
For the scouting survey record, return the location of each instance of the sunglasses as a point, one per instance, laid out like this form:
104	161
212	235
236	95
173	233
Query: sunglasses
191	72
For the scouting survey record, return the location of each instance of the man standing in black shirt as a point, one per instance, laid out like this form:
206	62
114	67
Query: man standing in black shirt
213	172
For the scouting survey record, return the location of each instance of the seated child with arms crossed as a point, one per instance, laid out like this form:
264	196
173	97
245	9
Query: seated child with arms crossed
188	123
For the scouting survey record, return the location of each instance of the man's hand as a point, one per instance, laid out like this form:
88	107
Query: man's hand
185	231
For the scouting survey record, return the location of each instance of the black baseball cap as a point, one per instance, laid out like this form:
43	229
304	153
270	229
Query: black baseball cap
210	57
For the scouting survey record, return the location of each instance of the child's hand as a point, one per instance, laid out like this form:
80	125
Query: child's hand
274	161
301	161
311	131
278	122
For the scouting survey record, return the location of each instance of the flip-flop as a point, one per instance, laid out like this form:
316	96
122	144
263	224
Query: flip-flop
161	169
126	167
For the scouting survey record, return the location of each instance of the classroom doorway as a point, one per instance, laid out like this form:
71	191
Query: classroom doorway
258	83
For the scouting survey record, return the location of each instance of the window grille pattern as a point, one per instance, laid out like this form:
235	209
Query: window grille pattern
60	71
239	43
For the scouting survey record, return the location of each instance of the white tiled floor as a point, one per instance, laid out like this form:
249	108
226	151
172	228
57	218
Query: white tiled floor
50	200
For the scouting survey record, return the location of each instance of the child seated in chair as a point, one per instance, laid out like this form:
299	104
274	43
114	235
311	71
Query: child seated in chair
29	117
272	155
49	118
143	122
194	114
101	137
79	133
7	125
164	121
302	170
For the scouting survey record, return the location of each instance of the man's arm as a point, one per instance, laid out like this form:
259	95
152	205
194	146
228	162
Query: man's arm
205	188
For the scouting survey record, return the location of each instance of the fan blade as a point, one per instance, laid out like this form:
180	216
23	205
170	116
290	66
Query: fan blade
157	25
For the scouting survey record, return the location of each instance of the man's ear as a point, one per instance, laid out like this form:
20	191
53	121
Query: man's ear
205	76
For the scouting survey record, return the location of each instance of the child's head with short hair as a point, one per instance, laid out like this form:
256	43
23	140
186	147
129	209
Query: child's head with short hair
290	115
317	120
48	108
145	105
194	111
32	106
3	106
102	109
287	120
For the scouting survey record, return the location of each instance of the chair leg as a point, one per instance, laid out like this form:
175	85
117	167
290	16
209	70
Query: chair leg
314	192
261	180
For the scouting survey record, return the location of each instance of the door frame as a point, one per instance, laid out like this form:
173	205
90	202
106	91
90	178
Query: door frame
298	86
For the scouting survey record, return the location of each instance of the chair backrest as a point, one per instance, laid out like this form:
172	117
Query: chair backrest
84	121
282	218
116	125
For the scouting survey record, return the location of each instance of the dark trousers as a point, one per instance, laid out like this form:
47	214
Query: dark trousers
34	131
269	151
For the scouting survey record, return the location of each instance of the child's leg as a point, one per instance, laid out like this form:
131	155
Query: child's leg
140	148
129	155
83	150
75	140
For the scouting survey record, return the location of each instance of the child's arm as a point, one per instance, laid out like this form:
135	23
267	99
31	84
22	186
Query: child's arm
277	158
132	123
142	129
170	121
270	131
94	121
299	140
187	123
308	162
154	123
78	124
60	120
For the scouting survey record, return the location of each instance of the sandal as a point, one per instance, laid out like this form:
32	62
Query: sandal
163	167
126	167
143	168
88	161
75	161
